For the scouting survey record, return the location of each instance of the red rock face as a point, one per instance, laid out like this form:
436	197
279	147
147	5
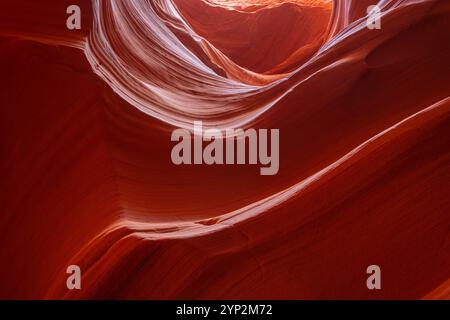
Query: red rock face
266	40
87	179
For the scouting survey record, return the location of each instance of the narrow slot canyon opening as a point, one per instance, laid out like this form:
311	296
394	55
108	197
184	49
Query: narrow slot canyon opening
263	36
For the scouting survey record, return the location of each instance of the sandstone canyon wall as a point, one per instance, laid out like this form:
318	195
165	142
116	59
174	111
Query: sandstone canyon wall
86	118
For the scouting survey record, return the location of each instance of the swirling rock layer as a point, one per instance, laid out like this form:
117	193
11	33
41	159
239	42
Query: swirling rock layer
86	118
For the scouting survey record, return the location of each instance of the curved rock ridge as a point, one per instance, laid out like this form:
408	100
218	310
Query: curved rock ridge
86	122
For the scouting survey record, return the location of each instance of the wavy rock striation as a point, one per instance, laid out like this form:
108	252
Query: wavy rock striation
86	118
